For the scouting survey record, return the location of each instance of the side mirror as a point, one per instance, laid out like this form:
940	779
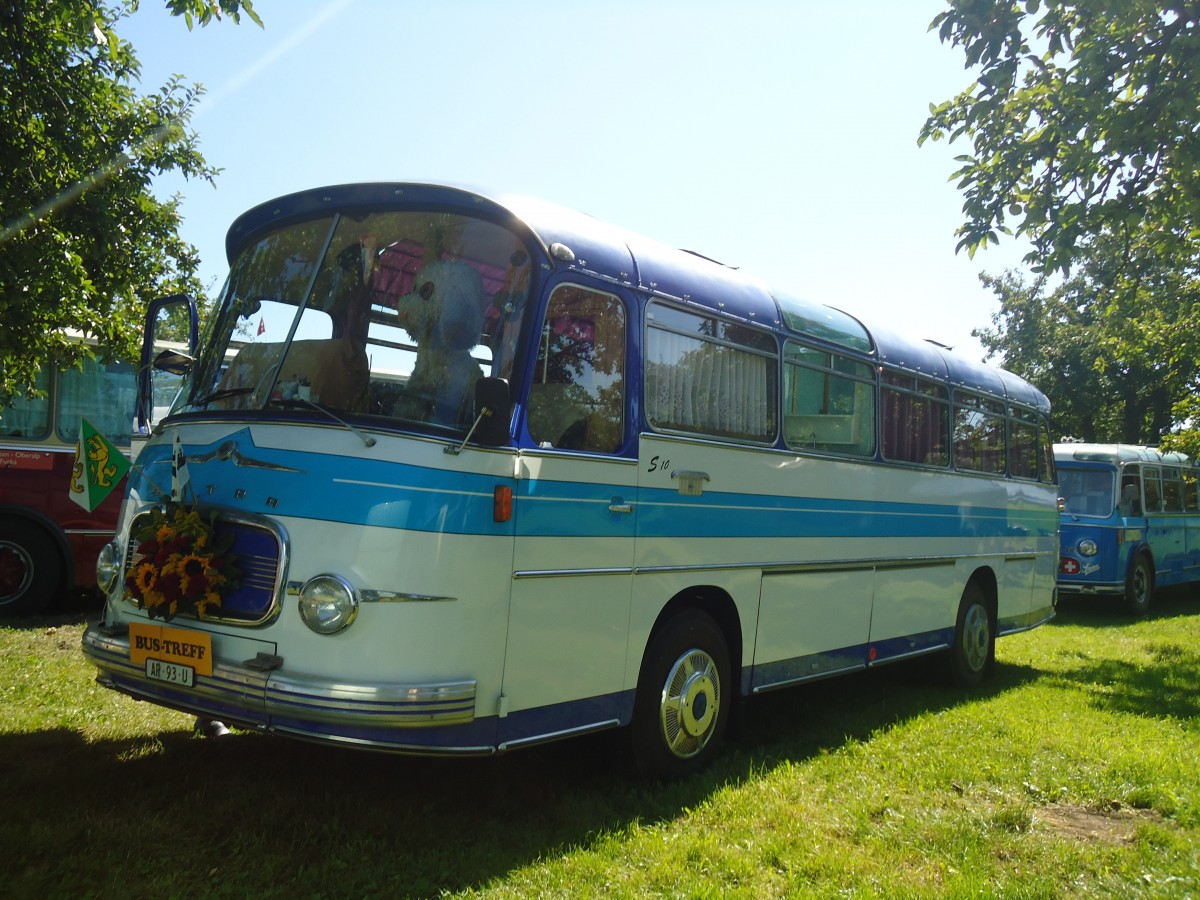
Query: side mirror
493	407
176	362
146	367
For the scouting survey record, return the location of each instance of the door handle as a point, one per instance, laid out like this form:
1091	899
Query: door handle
618	507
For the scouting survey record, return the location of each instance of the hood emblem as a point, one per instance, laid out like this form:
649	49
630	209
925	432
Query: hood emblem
229	451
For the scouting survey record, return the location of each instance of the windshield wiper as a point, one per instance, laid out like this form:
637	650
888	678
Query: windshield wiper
301	402
223	394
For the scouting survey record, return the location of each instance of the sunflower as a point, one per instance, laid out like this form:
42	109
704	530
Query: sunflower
145	578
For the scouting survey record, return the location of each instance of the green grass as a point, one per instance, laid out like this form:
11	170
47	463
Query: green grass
1076	771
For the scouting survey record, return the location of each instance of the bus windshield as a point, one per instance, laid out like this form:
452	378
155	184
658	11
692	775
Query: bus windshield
391	315
1087	492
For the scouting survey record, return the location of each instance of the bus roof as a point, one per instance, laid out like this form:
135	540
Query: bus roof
1116	454
580	242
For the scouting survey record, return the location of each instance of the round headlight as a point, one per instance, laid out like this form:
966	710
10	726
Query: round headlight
1088	548
108	566
327	604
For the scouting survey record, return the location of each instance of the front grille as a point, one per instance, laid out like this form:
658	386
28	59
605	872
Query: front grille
260	550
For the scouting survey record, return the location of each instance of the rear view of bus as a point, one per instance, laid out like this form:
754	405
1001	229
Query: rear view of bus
1130	522
460	473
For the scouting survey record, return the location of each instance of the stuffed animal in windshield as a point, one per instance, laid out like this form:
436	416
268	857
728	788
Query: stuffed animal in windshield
444	316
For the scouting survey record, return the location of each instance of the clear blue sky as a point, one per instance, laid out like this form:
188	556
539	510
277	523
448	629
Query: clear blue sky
779	137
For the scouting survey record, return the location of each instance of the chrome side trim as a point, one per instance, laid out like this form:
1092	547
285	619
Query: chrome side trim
828	565
913	654
401	597
560	573
800	679
556	735
777	568
1017	629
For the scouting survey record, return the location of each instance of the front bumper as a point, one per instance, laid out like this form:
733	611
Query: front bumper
1091	589
260	693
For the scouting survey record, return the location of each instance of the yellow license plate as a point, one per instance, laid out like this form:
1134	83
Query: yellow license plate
172	645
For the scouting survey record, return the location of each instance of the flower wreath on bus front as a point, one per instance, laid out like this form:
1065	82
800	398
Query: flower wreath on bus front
181	565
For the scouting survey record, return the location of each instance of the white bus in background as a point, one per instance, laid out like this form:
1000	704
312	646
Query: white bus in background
615	485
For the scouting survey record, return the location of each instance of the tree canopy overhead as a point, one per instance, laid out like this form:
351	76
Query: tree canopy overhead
1082	121
84	243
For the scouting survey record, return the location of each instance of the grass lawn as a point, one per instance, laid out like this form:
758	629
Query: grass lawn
1075	771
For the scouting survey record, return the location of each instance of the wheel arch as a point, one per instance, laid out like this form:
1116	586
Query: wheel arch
1141	550
719	606
985	579
47	525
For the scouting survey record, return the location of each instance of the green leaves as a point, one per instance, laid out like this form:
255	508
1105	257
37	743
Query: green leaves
1089	131
84	244
1116	347
1082	133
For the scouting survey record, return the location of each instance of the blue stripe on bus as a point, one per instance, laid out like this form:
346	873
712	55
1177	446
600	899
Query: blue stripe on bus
399	495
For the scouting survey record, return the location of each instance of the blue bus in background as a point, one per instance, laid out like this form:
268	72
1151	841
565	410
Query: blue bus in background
1130	521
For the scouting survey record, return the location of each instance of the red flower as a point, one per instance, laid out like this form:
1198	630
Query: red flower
198	584
171	587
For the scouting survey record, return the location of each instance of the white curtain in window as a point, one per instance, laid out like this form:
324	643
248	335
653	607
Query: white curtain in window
694	385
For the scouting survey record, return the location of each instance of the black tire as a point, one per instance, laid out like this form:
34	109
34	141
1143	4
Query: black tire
683	698
1139	585
30	568
972	657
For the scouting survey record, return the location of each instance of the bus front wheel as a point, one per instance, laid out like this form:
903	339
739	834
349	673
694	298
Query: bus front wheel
683	701
29	568
973	654
1139	585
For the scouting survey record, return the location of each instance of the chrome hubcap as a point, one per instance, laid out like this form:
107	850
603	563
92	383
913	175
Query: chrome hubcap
691	700
976	634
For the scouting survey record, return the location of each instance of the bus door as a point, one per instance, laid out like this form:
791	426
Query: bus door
575	511
1171	535
1191	522
1159	528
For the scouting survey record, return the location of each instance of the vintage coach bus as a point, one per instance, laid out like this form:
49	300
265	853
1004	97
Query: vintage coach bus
1130	523
505	474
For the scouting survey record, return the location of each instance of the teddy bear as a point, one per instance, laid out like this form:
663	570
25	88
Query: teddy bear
443	314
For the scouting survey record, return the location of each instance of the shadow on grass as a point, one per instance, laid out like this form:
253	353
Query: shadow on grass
173	814
1107	612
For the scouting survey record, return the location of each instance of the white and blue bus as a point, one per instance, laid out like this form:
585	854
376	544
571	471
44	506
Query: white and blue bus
489	473
1130	521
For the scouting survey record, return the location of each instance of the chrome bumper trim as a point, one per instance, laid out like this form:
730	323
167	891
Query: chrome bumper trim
286	701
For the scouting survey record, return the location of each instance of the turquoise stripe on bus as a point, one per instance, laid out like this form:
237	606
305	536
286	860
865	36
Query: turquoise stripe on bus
399	495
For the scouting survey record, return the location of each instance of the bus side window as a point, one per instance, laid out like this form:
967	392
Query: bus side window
1151	490
1172	490
577	399
1131	495
27	417
1191	496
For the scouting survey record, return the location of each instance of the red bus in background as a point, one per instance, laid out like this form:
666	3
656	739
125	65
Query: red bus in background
48	544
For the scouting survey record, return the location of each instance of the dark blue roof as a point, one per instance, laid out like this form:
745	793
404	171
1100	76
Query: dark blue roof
621	257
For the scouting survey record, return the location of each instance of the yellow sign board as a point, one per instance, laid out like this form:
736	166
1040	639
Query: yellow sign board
176	645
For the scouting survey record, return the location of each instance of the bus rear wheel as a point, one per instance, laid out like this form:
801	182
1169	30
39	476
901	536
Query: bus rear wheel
1139	585
682	704
29	568
972	657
